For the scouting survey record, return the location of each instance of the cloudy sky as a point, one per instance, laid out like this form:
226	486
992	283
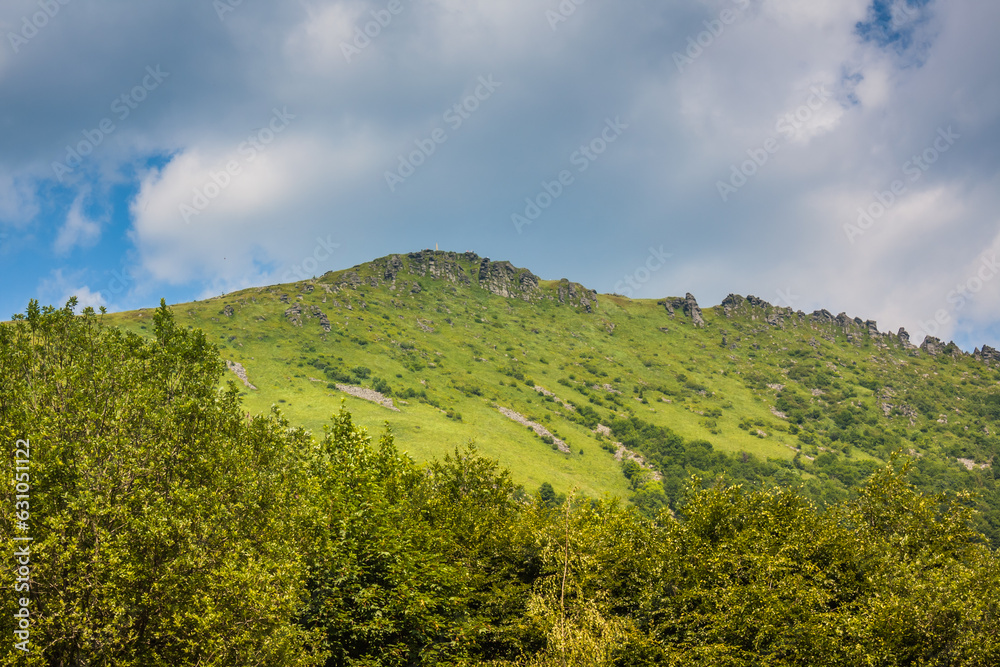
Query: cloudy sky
838	154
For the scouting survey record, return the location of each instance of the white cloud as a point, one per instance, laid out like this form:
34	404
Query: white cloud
58	288
78	229
814	15
18	202
259	218
875	89
86	298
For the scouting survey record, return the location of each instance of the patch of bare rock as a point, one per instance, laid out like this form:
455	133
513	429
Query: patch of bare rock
240	372
368	395
540	430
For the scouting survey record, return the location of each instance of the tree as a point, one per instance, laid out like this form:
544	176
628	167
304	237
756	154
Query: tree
548	495
159	511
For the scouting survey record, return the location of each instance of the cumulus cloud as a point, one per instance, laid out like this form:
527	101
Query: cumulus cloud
228	215
18	201
59	286
78	230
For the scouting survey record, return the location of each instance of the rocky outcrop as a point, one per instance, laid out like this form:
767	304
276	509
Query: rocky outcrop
822	317
935	347
692	310
731	304
855	328
932	346
350	279
392	267
736	304
324	321
672	305
904	339
577	295
687	305
756	308
466	269
294	315
504	279
442	265
228	311
987	355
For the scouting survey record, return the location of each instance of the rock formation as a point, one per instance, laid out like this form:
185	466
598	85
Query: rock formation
687	305
577	295
504	279
932	346
987	355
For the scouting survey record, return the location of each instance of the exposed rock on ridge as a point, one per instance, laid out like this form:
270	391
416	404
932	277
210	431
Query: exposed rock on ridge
503	279
855	328
687	305
988	355
577	295
468	269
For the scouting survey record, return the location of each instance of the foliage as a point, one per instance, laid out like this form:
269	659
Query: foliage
159	511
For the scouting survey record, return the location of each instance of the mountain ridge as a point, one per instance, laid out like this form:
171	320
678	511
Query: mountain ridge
504	279
601	392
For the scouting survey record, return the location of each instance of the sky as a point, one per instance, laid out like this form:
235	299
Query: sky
837	154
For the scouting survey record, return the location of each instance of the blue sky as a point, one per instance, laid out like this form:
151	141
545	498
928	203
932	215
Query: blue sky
838	154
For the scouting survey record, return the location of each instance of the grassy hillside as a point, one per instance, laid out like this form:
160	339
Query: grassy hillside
745	388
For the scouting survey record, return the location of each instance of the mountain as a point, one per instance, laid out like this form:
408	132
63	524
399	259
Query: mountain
603	393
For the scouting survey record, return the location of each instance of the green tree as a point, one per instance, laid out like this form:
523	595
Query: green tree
160	512
547	495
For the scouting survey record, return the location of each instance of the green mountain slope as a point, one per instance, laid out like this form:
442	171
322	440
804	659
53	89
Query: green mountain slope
456	345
